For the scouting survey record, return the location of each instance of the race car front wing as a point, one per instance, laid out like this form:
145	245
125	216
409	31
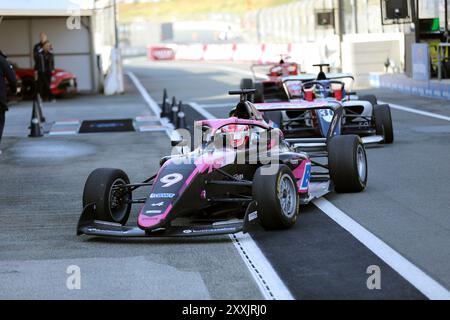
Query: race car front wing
88	225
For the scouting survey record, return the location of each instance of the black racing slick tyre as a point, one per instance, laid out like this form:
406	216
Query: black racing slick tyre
383	122
370	98
347	162
246	84
258	97
275	192
112	204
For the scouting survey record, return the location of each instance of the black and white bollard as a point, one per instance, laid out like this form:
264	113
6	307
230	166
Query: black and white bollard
35	123
174	113
181	118
164	105
39	108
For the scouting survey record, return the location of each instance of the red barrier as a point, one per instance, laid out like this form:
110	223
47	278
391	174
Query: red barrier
247	52
160	53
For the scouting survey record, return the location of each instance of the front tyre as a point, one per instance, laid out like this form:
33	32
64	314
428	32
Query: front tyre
112	203
276	196
383	122
347	163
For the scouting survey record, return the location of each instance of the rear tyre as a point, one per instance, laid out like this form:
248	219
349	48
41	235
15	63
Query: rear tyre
276	197
383	122
111	204
246	84
259	93
347	162
370	98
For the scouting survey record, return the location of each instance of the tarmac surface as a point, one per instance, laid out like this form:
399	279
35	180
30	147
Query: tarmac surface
406	205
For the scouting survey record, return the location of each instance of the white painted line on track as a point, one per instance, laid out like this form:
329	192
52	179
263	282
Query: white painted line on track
154	107
145	95
200	109
419	279
268	281
67	122
416	111
62	132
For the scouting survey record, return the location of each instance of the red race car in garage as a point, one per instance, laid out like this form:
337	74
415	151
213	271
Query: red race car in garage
64	83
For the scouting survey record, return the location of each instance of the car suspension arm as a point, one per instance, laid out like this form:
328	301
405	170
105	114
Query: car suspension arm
141	200
318	164
134	186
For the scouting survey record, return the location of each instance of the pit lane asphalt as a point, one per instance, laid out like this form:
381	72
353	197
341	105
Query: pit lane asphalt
406	203
41	184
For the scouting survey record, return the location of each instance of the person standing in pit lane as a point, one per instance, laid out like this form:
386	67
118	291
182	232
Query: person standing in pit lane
6	71
45	64
38	47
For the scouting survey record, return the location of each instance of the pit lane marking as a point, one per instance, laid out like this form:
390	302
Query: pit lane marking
265	276
201	110
154	107
412	110
145	95
418	278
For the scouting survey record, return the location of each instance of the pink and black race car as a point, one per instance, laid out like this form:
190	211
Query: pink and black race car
243	171
271	89
63	83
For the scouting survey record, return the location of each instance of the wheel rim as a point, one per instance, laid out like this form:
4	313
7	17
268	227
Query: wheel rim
361	163
118	197
287	195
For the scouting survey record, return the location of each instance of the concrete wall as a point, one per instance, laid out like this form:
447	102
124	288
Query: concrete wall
363	56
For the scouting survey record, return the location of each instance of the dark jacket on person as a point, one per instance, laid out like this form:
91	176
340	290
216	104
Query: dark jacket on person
36	50
45	62
6	71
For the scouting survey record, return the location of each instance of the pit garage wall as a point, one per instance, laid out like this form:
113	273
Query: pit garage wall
366	53
72	48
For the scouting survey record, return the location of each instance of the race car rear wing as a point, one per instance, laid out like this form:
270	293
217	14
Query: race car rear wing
304	81
311	77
